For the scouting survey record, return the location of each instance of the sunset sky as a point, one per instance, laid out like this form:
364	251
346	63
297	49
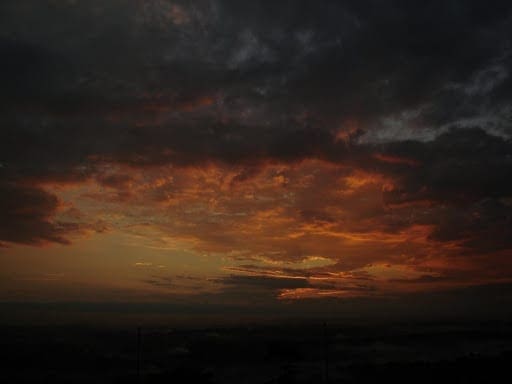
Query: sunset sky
255	154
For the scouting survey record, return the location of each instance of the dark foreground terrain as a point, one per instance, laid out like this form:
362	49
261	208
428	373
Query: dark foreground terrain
399	353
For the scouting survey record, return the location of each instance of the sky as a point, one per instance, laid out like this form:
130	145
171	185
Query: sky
258	155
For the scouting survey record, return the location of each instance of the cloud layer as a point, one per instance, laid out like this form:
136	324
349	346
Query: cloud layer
341	148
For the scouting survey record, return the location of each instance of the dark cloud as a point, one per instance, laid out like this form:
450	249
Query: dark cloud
417	92
481	302
459	166
421	279
27	216
262	282
481	227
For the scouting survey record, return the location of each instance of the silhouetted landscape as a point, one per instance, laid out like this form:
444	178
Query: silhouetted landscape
286	353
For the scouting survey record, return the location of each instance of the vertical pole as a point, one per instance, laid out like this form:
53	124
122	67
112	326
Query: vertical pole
326	354
138	354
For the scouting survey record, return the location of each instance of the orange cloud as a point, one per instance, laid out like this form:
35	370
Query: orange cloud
396	160
278	215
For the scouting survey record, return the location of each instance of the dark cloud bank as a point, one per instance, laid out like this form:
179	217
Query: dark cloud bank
417	91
